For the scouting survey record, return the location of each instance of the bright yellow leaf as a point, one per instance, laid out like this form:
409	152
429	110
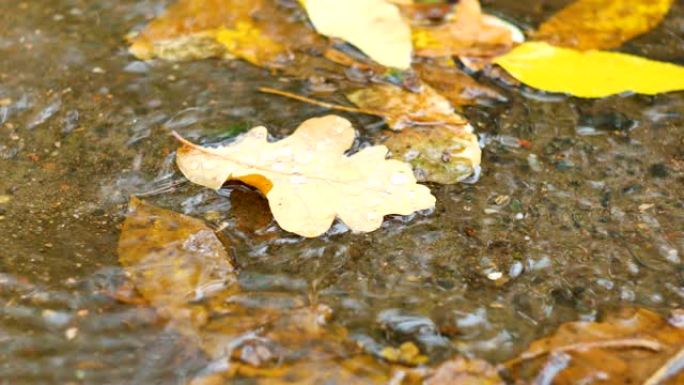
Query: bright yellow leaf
373	26
602	24
589	74
308	180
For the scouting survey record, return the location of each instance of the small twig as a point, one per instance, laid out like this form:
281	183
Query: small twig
273	91
457	121
634	343
670	368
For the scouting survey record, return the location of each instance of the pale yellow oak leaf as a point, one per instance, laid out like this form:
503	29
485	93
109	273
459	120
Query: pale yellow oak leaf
589	74
374	26
307	178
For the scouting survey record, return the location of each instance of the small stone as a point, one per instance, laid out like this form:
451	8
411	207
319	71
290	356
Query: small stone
99	70
71	333
5	199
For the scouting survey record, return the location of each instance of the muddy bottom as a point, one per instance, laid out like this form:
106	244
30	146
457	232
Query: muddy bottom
588	217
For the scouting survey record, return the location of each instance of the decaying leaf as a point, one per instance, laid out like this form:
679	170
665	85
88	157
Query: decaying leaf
455	85
626	347
589	74
467	32
441	154
257	31
308	180
602	24
179	266
402	108
373	26
463	371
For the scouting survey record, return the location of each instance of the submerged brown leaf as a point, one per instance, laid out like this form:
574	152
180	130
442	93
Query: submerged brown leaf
402	108
602	24
467	32
180	267
626	347
463	371
455	85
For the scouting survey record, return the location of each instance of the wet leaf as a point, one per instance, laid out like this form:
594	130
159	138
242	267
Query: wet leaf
441	154
463	371
589	74
308	180
257	31
626	347
455	85
172	259
466	32
402	108
602	24
373	26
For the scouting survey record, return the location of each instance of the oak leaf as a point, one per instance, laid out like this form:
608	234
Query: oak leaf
589	74
374	26
308	180
602	24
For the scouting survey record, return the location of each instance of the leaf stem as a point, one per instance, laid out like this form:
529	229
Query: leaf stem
273	91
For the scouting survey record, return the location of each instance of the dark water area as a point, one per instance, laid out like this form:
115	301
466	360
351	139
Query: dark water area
588	217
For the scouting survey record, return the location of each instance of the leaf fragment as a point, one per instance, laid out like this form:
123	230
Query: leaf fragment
441	154
308	180
601	24
589	74
373	26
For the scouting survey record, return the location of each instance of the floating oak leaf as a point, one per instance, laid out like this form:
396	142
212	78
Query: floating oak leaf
442	154
602	24
627	347
373	26
467	32
402	108
308	180
589	74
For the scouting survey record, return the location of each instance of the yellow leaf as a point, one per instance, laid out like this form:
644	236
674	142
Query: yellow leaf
308	180
373	26
257	30
402	108
602	24
247	42
589	74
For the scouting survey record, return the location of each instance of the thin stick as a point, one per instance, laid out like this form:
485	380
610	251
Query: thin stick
671	367
636	343
418	120
268	90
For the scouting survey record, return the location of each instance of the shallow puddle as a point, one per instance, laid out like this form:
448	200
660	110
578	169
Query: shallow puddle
579	208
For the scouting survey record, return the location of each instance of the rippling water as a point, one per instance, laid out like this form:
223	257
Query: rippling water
590	217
